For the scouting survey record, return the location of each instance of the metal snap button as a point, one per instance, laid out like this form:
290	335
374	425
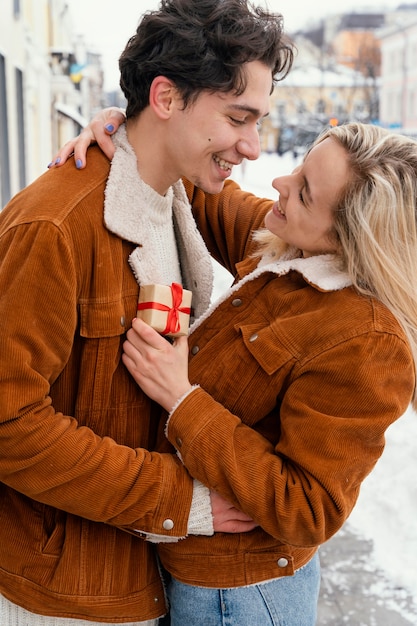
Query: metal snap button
168	524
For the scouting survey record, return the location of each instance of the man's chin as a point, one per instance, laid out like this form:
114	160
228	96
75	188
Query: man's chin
211	188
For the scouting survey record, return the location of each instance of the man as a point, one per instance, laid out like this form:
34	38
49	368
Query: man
81	487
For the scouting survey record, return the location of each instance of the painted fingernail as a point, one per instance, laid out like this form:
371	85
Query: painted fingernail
58	160
109	127
78	163
49	165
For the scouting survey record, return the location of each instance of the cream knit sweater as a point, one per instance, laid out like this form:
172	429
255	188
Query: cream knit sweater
170	249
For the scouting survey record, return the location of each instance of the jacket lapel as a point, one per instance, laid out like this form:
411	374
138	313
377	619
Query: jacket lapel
126	213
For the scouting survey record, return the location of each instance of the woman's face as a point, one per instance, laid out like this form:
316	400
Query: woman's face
303	214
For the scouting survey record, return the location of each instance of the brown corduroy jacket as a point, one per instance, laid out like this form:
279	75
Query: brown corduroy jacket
74	426
299	378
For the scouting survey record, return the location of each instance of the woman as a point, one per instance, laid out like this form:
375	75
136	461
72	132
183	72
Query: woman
299	369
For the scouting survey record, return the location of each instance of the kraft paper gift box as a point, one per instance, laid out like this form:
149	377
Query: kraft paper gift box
166	308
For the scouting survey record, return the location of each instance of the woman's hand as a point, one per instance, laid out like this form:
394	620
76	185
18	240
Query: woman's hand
159	367
161	370
99	130
228	519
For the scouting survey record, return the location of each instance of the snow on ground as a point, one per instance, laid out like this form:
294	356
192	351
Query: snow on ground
386	511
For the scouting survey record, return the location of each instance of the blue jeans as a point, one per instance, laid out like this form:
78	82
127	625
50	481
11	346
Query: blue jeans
287	601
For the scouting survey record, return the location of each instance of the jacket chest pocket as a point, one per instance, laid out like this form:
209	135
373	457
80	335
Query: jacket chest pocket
269	365
266	348
101	320
244	368
104	384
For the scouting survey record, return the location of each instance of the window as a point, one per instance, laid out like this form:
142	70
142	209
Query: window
16	8
5	192
21	128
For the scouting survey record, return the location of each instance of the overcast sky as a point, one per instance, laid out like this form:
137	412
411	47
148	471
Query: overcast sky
107	27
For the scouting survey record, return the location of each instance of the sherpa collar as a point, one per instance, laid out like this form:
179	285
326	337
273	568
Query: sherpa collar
322	272
127	208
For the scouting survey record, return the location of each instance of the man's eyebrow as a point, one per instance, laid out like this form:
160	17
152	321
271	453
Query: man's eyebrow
248	109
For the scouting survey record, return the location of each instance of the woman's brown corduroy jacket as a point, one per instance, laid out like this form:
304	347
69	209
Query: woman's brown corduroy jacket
299	378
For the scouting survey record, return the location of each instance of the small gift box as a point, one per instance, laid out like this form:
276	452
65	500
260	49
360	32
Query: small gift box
166	308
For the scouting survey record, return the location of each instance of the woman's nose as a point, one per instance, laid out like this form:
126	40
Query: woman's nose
280	184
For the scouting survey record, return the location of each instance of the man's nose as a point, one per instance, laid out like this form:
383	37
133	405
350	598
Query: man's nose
249	145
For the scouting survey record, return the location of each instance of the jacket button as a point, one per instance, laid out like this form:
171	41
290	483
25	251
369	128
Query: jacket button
178	441
122	320
237	302
168	524
282	562
195	349
253	338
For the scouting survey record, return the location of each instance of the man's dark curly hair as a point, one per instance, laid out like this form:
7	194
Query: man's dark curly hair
202	45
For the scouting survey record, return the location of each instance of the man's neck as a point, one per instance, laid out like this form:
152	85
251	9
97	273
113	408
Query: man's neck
145	135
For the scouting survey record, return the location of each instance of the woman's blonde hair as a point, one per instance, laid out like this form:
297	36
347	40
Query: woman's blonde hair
375	220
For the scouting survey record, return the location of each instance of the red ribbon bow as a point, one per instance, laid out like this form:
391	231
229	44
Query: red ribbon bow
173	318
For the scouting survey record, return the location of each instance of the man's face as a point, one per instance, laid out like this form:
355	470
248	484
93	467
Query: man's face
218	131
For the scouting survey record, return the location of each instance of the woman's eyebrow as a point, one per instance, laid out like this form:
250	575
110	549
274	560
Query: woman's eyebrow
308	190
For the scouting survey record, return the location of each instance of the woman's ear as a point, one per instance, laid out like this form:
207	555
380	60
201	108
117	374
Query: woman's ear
163	96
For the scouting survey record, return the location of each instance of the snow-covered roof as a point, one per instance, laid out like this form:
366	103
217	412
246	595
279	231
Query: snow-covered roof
310	76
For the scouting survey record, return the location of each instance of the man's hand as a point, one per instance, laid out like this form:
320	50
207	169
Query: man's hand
228	519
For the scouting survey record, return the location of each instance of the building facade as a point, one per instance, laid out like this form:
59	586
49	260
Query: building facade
315	94
348	67
43	100
398	94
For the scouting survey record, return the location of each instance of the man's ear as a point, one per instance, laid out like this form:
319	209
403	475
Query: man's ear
163	97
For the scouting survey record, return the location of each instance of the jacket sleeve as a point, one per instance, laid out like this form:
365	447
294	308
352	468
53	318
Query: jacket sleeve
227	220
45	454
332	422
